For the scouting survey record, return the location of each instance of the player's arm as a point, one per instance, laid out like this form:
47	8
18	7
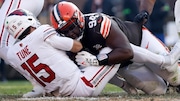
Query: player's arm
77	46
146	8
147	5
118	42
64	43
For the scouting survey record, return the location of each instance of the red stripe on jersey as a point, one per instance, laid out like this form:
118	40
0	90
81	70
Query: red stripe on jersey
105	26
19	4
49	36
48	33
9	33
1	34
3	24
47	29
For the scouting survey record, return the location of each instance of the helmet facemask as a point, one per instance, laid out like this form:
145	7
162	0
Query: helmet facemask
69	26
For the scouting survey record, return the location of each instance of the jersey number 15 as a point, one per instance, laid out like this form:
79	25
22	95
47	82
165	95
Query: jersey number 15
33	70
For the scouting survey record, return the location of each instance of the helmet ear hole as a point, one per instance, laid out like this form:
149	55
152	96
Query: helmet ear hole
30	19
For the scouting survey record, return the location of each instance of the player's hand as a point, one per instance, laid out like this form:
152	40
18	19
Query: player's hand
85	59
142	17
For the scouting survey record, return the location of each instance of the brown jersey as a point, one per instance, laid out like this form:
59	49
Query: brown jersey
97	27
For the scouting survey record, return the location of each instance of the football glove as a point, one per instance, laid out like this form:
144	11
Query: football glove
85	59
142	17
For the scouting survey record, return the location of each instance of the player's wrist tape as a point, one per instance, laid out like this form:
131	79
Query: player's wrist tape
102	59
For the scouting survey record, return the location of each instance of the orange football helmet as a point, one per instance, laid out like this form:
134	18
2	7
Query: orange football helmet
66	15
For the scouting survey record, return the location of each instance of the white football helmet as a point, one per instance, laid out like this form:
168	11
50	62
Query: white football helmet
18	21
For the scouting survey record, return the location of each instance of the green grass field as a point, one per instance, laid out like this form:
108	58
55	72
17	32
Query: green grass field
14	87
13	90
20	87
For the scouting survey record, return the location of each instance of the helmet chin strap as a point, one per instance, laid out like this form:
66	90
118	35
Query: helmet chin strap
81	31
80	37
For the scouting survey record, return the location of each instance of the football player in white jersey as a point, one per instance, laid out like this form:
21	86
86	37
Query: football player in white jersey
6	40
39	54
96	30
177	15
35	6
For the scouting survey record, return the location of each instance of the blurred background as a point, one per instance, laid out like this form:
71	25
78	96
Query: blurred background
161	22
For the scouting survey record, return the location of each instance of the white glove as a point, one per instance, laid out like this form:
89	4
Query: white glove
85	59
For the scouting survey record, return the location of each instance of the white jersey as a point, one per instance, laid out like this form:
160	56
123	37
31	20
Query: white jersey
41	58
6	40
38	61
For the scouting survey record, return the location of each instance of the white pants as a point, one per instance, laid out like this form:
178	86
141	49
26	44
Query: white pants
156	46
94	78
149	77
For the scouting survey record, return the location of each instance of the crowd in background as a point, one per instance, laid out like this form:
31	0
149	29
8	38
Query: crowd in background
161	16
125	9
